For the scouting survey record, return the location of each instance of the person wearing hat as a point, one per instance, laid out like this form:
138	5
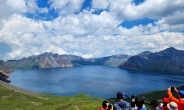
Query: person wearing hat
180	100
172	106
165	101
120	103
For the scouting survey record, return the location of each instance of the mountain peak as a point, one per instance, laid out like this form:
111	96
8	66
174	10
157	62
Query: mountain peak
48	53
170	50
145	53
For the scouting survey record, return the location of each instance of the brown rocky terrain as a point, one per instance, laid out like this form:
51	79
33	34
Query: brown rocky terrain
4	76
5	67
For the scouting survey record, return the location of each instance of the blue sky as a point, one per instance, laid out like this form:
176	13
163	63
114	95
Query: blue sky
89	28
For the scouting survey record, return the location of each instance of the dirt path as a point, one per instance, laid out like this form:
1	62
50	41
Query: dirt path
18	89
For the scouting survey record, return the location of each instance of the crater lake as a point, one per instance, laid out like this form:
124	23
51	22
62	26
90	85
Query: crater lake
96	81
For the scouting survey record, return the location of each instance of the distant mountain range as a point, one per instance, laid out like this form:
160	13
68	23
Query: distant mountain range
50	60
169	59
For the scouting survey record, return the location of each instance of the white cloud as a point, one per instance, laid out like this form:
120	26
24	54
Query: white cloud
87	34
55	49
9	7
173	23
100	4
43	10
26	37
169	13
83	24
153	9
36	38
83	55
32	6
66	6
17	6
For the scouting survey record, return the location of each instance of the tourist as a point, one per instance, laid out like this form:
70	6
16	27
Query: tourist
172	106
120	103
165	101
110	107
139	102
155	105
133	102
180	100
104	105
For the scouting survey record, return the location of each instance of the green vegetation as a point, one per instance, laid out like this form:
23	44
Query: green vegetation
12	100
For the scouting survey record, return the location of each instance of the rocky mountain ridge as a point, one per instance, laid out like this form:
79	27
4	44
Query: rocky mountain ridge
169	59
50	60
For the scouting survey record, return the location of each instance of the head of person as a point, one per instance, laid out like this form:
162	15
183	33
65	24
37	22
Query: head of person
139	101
110	107
105	104
172	106
165	101
181	93
154	103
132	97
120	95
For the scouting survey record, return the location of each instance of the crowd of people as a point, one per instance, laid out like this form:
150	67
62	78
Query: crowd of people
137	103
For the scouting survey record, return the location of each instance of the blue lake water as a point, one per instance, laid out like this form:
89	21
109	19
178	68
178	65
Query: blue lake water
96	81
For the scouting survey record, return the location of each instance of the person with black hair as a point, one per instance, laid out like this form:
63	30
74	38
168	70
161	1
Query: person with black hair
120	103
104	105
110	107
132	99
139	102
155	105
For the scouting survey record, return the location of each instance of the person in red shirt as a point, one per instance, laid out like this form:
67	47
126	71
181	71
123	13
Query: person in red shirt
180	100
165	101
104	105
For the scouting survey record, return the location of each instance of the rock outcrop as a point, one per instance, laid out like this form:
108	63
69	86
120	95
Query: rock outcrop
4	76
